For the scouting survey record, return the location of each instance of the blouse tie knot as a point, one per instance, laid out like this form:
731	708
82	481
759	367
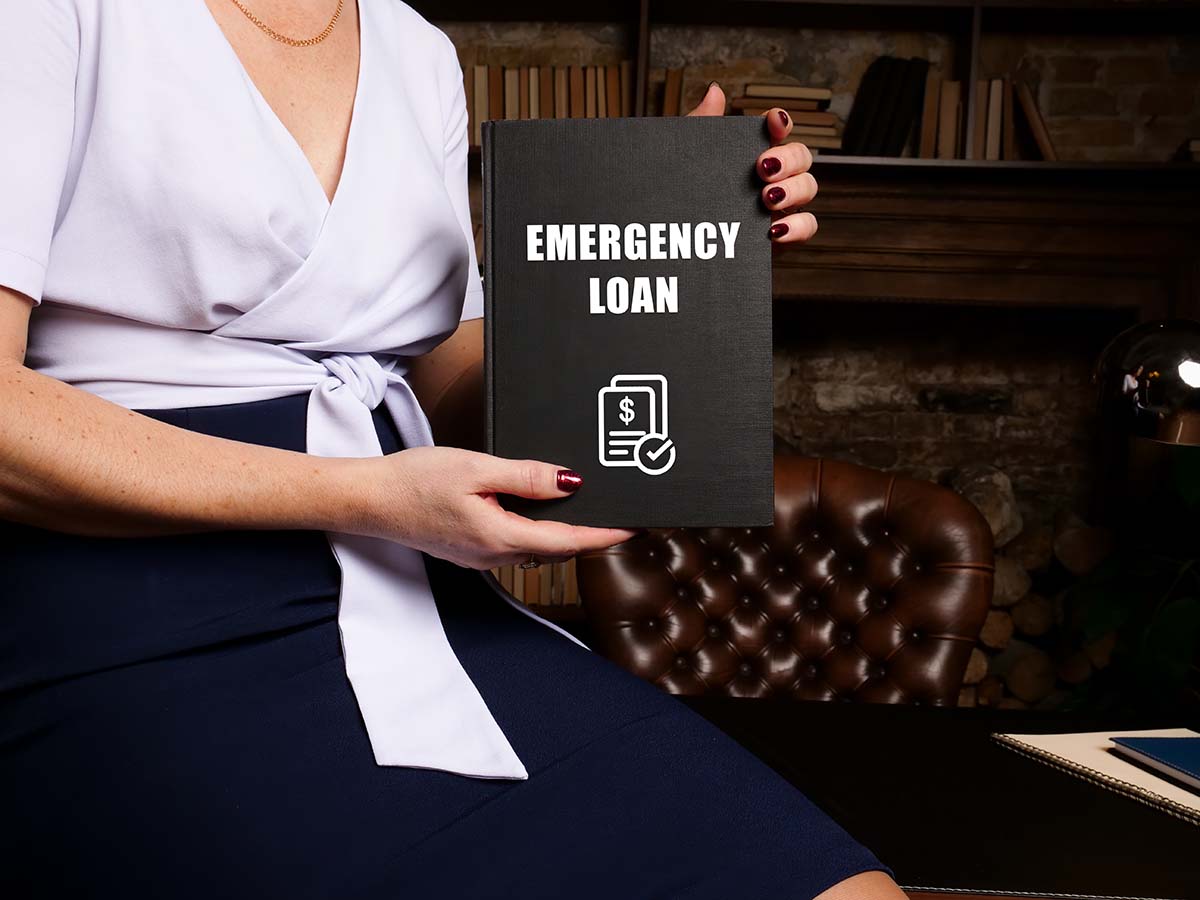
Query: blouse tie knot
364	376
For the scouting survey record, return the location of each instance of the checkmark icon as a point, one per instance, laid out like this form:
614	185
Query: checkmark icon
655	454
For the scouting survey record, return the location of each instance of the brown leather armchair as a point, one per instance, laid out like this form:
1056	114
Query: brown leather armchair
868	587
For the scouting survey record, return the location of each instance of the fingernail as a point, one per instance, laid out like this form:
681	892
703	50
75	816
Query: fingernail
779	229
771	165
776	194
568	480
783	118
710	84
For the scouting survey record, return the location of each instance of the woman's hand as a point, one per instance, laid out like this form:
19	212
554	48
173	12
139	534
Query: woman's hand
442	500
784	168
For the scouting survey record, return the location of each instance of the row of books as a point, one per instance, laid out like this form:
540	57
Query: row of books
1004	109
547	585
901	107
546	92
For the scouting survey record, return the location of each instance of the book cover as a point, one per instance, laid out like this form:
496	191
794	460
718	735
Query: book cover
929	116
908	107
994	118
1175	757
628	316
980	125
896	74
948	137
792	91
866	101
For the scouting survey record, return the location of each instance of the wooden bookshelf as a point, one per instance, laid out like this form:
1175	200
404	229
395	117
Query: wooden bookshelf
967	22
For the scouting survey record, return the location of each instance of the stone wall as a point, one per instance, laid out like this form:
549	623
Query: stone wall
925	390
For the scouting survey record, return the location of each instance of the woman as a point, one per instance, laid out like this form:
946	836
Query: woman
228	233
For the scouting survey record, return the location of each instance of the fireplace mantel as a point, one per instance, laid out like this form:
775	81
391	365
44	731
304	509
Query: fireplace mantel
1028	234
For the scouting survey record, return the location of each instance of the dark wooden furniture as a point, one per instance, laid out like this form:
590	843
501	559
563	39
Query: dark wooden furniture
972	232
1023	234
868	587
949	809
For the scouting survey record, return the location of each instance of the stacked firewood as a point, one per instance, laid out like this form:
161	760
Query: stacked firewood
1019	660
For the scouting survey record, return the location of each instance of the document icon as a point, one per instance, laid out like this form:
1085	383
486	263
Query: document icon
633	424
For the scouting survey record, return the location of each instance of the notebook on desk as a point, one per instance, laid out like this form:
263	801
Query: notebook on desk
1092	756
1176	757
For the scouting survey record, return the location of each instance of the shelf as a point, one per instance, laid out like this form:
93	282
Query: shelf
1174	172
1185	170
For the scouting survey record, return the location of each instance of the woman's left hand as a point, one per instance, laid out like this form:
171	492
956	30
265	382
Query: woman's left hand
784	168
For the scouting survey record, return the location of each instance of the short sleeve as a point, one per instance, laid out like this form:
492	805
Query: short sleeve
39	58
457	143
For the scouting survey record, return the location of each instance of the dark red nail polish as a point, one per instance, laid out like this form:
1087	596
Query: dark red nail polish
776	194
568	480
779	229
771	165
783	118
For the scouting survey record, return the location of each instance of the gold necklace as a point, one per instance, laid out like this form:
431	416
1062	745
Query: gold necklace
283	38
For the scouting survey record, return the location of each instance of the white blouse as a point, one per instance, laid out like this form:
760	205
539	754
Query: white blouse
183	253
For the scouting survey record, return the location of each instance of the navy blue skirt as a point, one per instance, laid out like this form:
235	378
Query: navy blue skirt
175	721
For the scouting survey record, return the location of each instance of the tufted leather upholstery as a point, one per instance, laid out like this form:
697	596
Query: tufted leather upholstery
868	587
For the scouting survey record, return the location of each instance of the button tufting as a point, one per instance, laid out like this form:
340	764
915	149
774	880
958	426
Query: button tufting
780	568
745	600
845	637
914	635
681	591
779	635
813	602
651	624
849	567
810	671
714	630
816	535
745	669
681	662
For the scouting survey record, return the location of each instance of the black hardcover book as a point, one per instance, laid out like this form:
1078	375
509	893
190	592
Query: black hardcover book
895	72
908	107
866	103
627	286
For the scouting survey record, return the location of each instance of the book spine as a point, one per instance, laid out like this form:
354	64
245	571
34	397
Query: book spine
489	300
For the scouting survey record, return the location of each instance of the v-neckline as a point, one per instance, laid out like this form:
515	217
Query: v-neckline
277	123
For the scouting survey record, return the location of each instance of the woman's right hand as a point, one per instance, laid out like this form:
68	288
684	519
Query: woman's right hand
442	500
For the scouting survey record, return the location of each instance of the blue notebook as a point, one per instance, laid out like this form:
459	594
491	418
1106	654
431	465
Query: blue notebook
1175	757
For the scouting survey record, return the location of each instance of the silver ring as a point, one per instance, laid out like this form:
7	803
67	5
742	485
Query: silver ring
530	563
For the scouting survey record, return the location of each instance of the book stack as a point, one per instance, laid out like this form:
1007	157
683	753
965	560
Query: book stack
547	585
546	92
812	123
901	109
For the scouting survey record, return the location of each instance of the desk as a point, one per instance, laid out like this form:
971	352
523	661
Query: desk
949	809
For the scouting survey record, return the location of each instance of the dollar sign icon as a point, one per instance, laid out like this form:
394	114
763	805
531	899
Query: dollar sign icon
627	414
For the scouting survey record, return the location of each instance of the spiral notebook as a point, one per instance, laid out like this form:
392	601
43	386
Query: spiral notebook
1093	757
